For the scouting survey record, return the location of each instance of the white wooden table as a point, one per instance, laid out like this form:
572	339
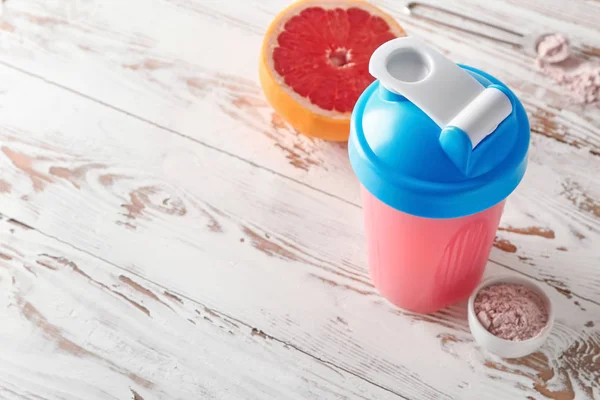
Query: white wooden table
165	235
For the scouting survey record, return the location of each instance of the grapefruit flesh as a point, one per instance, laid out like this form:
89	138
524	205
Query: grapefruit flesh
315	62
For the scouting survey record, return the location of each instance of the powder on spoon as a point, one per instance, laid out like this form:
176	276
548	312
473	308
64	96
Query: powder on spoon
553	49
579	76
511	311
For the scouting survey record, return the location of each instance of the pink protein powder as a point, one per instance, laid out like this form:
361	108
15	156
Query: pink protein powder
580	77
553	49
511	311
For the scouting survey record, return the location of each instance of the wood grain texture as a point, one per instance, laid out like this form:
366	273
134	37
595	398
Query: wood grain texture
236	238
81	328
167	162
182	91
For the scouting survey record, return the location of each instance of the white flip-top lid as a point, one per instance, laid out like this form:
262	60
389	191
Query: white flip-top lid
449	95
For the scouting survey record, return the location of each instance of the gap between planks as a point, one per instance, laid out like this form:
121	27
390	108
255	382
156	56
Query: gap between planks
543	281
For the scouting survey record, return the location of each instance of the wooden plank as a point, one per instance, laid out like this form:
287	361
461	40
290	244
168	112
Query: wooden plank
79	327
260	248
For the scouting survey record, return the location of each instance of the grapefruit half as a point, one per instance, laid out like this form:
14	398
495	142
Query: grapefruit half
315	62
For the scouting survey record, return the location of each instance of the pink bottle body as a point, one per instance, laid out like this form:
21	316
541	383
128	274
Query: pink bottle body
423	264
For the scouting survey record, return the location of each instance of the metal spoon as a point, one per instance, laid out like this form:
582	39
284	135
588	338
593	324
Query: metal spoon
527	42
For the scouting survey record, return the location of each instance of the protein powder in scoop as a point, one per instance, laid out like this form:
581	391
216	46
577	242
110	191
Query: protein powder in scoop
511	311
579	76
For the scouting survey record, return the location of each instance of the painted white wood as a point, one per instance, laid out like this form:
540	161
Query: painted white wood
262	224
76	327
164	73
281	257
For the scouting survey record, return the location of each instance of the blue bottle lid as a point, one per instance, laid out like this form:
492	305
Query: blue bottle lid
435	139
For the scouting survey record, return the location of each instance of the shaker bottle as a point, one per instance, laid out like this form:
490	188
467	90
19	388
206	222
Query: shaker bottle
437	148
